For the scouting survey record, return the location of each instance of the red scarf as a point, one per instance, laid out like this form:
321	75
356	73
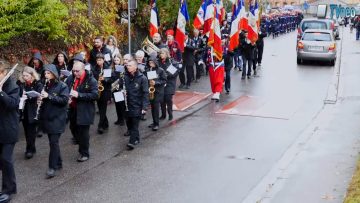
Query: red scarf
78	81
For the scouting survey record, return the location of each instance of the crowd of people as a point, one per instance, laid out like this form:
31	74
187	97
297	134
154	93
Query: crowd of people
49	97
281	23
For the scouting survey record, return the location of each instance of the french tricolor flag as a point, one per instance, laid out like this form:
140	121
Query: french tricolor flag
154	19
199	18
209	15
243	24
235	20
220	10
183	18
215	36
253	22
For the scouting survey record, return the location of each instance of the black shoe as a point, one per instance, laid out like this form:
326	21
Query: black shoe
29	155
82	158
187	87
127	134
117	122
162	117
143	117
130	146
5	198
50	173
155	128
100	131
248	77
39	135
181	86
243	77
170	117
255	73
227	91
151	125
122	123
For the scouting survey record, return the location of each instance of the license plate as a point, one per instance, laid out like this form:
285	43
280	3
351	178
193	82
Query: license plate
316	48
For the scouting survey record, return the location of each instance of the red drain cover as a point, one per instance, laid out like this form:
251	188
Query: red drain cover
183	100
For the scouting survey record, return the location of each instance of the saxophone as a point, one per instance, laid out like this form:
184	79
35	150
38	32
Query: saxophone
100	85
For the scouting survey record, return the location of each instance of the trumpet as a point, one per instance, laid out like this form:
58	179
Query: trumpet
151	91
41	102
100	85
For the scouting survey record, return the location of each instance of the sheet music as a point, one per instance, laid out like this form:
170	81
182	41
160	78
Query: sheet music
151	75
119	68
87	67
65	73
107	73
107	57
32	94
22	103
119	96
171	69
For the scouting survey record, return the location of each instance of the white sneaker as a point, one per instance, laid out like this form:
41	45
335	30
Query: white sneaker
216	96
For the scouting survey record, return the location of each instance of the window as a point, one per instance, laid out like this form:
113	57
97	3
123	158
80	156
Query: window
314	25
316	36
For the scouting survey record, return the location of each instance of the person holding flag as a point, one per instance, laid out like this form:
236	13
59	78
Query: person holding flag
216	69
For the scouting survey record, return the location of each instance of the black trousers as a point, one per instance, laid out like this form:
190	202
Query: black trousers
102	106
155	111
167	104
227	80
189	74
199	70
132	124
260	53
30	134
247	64
55	161
80	133
120	111
7	168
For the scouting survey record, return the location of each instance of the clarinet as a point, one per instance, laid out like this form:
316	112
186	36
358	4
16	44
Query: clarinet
124	89
39	105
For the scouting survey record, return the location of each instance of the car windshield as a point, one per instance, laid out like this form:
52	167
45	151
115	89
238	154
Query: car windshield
314	25
316	36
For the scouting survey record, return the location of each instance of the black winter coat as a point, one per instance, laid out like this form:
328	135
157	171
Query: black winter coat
260	41
160	82
53	112
106	94
170	86
228	60
9	116
104	51
188	55
85	103
247	49
137	93
30	108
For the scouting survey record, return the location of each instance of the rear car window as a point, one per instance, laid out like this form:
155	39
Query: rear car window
314	25
316	36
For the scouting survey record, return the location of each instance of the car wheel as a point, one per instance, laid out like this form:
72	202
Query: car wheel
332	62
298	61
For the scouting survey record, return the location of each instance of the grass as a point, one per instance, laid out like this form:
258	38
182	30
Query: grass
353	192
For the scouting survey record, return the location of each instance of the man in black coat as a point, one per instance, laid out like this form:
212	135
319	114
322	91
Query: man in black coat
83	92
137	99
260	46
100	48
188	63
98	72
200	47
9	127
247	50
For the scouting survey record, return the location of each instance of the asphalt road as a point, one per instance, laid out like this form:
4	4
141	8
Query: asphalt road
206	157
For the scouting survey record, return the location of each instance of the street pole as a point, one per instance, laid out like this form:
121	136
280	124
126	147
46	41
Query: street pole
129	27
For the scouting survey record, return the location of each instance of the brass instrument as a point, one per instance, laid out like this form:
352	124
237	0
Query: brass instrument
151	91
41	102
100	85
7	76
148	47
115	85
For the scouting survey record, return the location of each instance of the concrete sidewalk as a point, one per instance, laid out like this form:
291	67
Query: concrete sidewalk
319	165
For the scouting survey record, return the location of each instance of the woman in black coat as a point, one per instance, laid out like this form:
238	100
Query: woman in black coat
158	83
30	81
54	100
169	91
